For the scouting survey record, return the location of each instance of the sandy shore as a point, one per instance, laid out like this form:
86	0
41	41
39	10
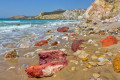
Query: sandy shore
12	70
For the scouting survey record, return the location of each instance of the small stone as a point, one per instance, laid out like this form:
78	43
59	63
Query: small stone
85	59
101	63
63	49
82	46
96	75
65	37
25	45
73	68
101	59
94	57
105	51
85	69
97	52
93	63
54	75
74	61
88	66
109	54
95	79
96	45
12	54
11	68
83	54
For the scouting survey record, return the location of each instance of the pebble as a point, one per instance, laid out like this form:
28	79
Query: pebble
85	59
100	59
93	63
95	79
73	68
85	69
74	61
63	49
96	75
101	63
94	57
10	68
83	54
97	52
88	66
96	45
109	54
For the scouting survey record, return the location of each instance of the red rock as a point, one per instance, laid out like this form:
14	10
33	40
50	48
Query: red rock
66	34
110	40
73	34
58	57
63	29
45	70
55	43
49	62
40	43
76	45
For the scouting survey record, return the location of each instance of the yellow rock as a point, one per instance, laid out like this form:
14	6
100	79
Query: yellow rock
73	68
96	75
85	59
105	51
88	66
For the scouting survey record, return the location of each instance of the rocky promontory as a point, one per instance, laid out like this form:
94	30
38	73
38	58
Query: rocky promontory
21	17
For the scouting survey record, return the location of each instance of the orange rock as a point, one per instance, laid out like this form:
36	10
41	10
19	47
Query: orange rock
116	63
54	43
110	40
40	43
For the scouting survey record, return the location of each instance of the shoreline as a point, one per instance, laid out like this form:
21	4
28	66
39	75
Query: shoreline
83	31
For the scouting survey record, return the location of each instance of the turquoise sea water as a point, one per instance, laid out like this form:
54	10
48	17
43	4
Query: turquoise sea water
13	30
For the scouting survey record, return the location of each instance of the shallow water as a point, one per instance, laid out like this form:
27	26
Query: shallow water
13	30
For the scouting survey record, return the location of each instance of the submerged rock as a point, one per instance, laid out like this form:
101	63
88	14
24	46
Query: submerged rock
63	29
40	43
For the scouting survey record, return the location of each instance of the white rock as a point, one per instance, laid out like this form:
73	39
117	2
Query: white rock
100	59
65	37
63	49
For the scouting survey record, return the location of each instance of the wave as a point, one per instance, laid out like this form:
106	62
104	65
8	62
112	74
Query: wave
10	21
13	27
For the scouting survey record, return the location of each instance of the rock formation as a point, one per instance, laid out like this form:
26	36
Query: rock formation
50	15
73	14
21	17
103	9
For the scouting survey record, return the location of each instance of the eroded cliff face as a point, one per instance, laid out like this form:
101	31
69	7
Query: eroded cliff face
103	9
74	14
50	15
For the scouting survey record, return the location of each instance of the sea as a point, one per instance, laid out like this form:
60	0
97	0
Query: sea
13	30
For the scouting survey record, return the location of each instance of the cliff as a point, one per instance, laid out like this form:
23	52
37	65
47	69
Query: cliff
73	14
21	17
103	9
50	15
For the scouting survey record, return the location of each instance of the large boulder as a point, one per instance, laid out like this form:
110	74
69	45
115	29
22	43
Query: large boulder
49	62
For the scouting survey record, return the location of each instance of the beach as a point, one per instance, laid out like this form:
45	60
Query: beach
77	69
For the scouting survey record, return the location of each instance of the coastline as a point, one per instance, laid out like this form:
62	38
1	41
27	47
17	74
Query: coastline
83	32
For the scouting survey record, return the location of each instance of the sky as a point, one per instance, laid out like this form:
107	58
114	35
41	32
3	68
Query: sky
34	7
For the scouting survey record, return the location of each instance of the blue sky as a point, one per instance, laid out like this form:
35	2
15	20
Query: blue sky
34	7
